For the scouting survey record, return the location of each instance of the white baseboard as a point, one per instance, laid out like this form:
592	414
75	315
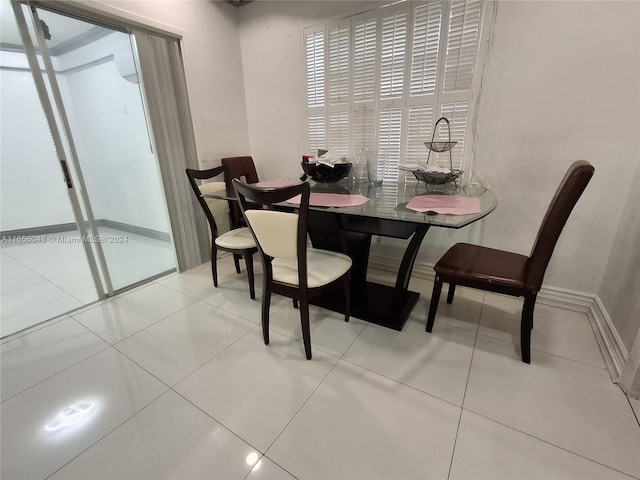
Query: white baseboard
613	350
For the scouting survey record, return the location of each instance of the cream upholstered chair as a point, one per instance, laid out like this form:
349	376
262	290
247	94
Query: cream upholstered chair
291	267
237	241
510	273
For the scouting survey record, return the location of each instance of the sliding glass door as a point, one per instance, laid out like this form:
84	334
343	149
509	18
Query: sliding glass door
86	195
100	90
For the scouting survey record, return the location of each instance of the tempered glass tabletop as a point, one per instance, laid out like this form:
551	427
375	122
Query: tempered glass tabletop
388	201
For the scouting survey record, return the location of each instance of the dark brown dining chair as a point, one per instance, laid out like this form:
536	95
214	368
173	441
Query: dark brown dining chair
291	267
237	241
243	169
511	273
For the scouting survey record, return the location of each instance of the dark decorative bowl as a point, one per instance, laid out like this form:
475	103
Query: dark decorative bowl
324	173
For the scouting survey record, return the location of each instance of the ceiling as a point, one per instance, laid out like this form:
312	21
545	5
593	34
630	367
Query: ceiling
64	31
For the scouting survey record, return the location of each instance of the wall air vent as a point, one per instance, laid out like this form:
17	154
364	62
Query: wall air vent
125	64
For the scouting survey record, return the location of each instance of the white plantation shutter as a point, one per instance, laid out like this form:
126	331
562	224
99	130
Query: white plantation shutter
365	48
426	47
339	52
317	132
339	132
363	127
426	43
393	54
389	138
364	59
419	130
457	113
315	68
380	80
463	37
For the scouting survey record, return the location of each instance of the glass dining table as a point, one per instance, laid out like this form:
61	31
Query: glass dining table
385	214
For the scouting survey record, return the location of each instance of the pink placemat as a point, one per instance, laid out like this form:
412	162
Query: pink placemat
332	200
281	182
445	204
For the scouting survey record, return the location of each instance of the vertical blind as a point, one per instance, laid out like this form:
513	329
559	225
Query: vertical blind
379	80
165	91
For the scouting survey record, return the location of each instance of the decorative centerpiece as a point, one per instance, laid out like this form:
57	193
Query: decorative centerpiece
434	174
325	167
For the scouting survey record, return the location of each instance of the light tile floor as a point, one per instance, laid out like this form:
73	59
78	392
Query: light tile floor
50	276
172	380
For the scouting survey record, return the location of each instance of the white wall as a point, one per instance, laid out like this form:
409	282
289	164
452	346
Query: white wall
211	50
563	84
620	289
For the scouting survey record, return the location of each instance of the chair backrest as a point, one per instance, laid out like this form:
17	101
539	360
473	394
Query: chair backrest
209	206
240	168
278	234
569	191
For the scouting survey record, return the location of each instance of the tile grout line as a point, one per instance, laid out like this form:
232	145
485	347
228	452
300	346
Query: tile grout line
633	410
339	359
466	386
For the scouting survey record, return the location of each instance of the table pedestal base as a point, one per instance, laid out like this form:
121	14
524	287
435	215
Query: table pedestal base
389	306
375	303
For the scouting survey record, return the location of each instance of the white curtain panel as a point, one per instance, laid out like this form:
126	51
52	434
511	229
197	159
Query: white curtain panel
165	92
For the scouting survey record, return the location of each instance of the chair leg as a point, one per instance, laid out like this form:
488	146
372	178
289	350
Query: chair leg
266	304
526	325
295	303
304	321
346	279
214	264
433	307
236	262
248	260
452	291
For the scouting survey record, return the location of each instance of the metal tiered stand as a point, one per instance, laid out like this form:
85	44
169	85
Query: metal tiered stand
439	178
